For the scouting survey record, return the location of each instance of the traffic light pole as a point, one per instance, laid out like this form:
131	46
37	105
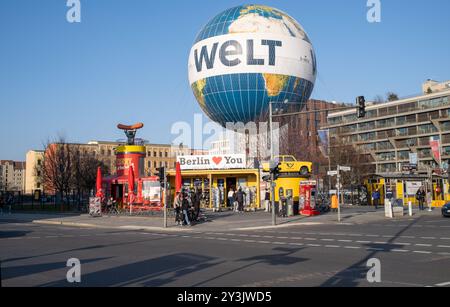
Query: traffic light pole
272	177
165	201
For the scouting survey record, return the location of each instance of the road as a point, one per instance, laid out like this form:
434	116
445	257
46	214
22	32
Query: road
413	252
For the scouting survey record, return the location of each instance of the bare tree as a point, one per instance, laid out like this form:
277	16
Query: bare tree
346	154
55	173
66	168
84	171
391	96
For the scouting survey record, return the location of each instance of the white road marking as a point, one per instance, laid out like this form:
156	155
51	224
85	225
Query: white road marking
347	241
332	246
352	247
364	242
400	250
424	245
314	245
443	246
444	284
428	238
407	244
421	252
328	240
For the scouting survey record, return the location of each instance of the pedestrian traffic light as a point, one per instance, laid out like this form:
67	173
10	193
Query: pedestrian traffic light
275	169
361	102
161	175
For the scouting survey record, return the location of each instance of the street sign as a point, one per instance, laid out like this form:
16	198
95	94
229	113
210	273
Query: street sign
345	168
332	173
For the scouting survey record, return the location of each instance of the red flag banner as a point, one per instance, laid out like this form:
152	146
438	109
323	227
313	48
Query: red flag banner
435	149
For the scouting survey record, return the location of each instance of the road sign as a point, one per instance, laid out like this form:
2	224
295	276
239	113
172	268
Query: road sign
332	173
345	168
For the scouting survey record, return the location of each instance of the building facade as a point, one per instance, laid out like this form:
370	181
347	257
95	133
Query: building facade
157	155
34	158
12	176
392	131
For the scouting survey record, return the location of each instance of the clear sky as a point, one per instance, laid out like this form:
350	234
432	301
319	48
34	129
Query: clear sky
127	61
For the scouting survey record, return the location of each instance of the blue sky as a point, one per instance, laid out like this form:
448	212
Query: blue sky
127	61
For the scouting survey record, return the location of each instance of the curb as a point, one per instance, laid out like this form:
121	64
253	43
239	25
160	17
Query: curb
125	227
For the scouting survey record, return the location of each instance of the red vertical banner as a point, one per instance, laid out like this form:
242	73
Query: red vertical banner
436	150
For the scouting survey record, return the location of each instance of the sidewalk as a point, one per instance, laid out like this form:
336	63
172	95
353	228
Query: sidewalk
224	221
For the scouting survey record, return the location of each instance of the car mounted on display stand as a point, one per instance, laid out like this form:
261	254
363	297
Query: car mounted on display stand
289	164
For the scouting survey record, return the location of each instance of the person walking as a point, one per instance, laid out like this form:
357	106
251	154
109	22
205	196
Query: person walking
185	209
420	196
240	200
376	198
267	201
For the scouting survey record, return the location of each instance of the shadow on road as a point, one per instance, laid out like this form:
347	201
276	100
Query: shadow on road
24	270
354	274
144	273
282	258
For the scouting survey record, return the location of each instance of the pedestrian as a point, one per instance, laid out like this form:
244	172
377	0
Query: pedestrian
196	204
240	200
430	200
177	206
420	196
185	209
10	202
2	202
376	198
231	198
267	201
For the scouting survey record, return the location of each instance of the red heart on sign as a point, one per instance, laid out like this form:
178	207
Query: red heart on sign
217	160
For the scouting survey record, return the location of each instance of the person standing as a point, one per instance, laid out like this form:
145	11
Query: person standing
240	199
267	201
185	209
231	197
376	198
420	196
177	206
196	204
430	200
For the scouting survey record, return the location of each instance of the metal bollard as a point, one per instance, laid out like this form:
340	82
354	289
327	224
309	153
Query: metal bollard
410	208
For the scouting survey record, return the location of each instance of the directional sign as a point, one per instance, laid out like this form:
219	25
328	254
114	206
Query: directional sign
332	173
345	168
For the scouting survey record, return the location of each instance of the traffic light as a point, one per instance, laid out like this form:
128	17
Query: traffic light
361	102
161	175
275	169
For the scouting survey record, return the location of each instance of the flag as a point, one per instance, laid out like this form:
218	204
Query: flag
436	149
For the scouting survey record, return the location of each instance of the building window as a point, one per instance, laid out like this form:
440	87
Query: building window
154	164
154	154
160	154
166	154
403	155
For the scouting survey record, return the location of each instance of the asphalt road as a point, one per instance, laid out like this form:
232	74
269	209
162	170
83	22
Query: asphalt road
413	252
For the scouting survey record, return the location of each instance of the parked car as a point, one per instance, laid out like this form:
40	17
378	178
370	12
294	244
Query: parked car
290	165
446	210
